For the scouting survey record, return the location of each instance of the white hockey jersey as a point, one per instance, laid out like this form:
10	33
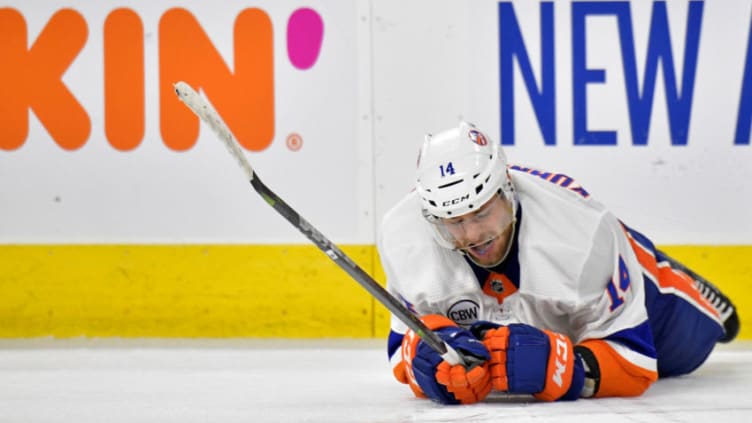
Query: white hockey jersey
571	270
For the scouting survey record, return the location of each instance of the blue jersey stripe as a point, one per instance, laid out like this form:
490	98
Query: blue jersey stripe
394	342
638	339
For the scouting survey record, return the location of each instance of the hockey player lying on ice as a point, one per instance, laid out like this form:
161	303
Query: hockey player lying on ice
526	272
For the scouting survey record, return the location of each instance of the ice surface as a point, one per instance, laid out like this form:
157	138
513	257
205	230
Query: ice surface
309	381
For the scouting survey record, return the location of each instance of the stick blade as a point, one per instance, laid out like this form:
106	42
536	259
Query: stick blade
203	109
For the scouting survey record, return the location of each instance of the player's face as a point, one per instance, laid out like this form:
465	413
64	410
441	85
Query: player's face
483	234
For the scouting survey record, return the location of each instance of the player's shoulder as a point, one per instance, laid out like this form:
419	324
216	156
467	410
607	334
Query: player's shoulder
555	183
404	228
406	208
403	221
556	196
561	230
416	265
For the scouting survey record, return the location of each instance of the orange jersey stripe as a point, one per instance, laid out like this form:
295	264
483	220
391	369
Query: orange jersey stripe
670	280
676	281
619	377
645	257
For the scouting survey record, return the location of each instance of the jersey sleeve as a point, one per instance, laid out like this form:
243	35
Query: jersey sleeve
612	323
425	277
394	249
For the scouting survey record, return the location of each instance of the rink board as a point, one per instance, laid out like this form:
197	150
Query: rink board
184	291
227	291
122	216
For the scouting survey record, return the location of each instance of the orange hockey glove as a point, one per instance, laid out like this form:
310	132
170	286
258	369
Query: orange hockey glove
527	360
430	376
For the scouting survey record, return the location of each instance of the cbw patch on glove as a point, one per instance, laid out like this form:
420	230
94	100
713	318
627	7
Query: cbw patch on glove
430	376
527	360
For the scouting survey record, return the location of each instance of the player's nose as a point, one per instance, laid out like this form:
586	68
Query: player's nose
473	232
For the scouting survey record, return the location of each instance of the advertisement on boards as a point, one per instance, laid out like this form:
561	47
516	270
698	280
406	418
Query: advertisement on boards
95	146
647	104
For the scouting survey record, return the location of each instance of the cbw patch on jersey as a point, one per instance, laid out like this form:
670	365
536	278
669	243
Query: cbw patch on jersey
464	312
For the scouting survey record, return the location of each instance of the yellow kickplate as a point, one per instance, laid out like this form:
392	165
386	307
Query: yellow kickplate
185	291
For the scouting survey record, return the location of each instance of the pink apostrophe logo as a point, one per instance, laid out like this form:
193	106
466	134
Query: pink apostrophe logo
305	33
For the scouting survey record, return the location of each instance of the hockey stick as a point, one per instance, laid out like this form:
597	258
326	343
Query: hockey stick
203	110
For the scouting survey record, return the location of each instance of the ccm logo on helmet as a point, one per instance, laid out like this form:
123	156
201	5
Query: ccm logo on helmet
456	200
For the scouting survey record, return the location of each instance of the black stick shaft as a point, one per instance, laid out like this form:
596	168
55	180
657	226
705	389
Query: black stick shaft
349	266
206	113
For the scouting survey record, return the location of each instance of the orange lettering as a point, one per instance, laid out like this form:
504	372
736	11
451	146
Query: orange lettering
33	79
124	79
245	99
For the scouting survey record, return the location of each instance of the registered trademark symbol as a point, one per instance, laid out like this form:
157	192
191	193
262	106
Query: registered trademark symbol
294	141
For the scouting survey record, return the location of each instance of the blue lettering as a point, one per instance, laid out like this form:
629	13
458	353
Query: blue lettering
511	46
679	102
541	174
581	75
563	181
679	105
614	292
744	117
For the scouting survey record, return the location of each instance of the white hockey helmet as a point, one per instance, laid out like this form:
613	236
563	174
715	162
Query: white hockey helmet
459	170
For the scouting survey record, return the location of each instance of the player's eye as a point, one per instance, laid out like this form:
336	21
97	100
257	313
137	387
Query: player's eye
482	213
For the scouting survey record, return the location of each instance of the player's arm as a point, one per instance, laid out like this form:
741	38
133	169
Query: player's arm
615	368
416	364
394	350
550	366
614	334
611	352
390	253
407	254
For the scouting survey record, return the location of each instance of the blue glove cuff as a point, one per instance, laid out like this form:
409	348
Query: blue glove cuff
527	359
578	380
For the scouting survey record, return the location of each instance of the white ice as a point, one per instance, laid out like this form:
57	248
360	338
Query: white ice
309	381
